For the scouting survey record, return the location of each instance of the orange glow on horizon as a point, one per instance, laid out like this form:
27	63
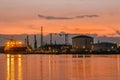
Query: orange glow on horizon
87	26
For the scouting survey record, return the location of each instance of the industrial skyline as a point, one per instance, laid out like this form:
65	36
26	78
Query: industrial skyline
55	39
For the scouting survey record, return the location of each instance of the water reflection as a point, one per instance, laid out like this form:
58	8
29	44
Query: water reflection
118	66
11	70
8	68
61	67
19	68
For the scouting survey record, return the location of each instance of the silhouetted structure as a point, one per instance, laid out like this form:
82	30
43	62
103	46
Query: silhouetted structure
104	47
13	46
27	40
35	42
50	38
82	43
59	48
2	49
42	37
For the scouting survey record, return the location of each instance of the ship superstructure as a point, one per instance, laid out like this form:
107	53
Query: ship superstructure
13	46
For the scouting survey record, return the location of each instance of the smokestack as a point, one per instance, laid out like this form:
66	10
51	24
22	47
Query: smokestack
27	40
35	42
50	38
66	39
41	36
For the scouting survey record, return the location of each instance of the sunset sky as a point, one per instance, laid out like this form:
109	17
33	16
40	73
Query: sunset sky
100	17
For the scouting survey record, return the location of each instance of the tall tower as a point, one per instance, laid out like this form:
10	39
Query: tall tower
27	40
35	42
42	37
50	38
66	39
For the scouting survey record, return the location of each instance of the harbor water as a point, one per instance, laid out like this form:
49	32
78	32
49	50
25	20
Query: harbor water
59	67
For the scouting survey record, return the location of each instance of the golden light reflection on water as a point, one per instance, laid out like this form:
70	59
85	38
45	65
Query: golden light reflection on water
11	70
118	66
8	67
19	68
63	67
84	67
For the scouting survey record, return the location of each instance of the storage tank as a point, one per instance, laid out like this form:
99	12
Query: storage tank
82	43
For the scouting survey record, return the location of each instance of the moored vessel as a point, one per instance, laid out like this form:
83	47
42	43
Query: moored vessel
13	46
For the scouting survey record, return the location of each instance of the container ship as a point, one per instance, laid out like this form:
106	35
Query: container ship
13	46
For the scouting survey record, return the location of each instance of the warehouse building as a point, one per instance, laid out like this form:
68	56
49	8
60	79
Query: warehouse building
82	43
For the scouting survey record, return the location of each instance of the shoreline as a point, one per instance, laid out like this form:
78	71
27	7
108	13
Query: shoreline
80	53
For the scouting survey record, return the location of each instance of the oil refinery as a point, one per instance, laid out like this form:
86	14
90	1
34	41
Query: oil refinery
80	44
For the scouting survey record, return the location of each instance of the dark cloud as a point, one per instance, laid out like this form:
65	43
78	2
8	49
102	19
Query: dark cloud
54	18
80	16
91	16
87	16
66	18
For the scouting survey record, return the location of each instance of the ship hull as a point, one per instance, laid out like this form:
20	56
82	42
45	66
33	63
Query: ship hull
16	50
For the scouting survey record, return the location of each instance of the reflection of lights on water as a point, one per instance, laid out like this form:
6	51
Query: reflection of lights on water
84	67
8	56
92	66
118	64
19	68
11	67
12	56
8	67
19	56
50	67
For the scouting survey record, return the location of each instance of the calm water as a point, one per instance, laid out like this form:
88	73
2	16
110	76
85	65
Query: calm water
59	67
